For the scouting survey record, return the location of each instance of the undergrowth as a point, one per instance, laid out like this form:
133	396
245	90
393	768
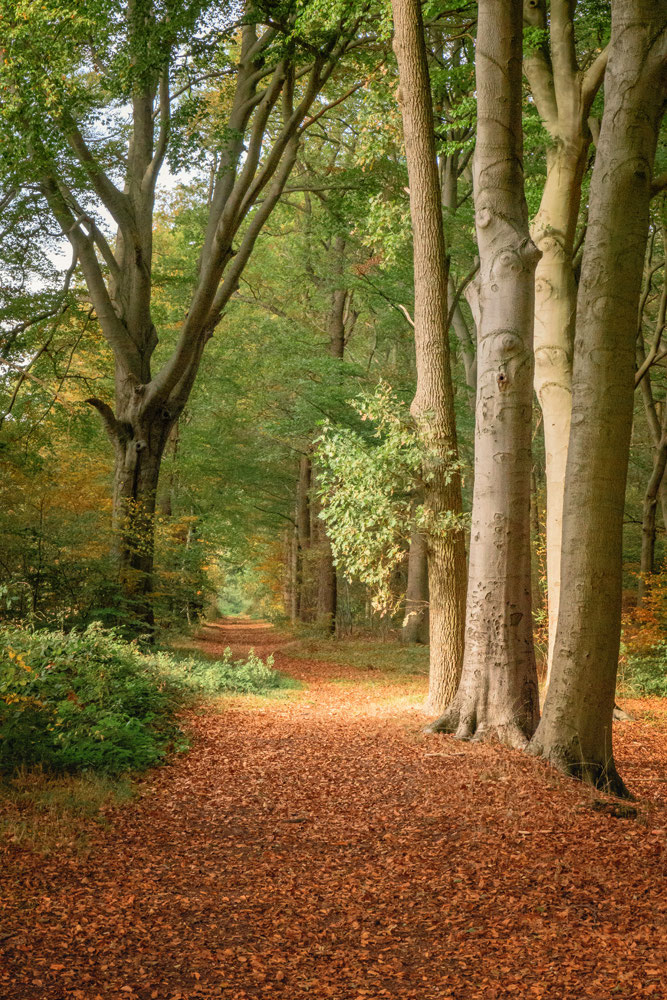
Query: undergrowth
89	700
645	674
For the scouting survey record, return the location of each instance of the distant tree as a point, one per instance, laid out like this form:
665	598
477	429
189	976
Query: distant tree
96	100
433	404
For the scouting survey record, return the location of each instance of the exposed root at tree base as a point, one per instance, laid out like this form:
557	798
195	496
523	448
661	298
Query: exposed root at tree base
599	774
472	726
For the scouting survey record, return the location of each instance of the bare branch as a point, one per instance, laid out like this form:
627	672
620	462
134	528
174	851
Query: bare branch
150	177
112	326
592	80
460	290
539	72
111	425
115	201
659	184
407	316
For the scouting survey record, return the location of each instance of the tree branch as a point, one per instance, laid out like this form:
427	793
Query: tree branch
592	80
150	177
111	425
115	201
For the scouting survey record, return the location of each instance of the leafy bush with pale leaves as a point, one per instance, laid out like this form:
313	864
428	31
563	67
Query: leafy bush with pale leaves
369	486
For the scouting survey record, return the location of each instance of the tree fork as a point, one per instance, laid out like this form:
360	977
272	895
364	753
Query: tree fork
498	694
575	732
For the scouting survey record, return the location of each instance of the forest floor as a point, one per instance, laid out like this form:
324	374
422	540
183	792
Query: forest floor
319	845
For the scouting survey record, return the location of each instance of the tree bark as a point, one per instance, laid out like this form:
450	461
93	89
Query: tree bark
656	418
415	623
647	564
575	732
327	587
563	96
294	576
303	539
433	404
498	695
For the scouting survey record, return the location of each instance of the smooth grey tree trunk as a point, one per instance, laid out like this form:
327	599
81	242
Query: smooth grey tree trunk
498	694
433	404
575	732
563	95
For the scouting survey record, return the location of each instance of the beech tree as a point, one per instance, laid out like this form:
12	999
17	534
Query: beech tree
563	92
575	730
433	405
130	66
497	695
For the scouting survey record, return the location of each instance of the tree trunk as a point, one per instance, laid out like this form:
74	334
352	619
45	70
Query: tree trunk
647	565
303	540
165	503
656	418
433	405
294	576
327	589
139	448
448	169
555	309
563	95
575	730
415	623
327	586
498	693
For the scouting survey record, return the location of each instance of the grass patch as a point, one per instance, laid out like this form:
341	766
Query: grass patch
47	812
385	657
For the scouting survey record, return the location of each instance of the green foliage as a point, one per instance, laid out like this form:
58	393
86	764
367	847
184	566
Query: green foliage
647	675
79	701
369	485
220	677
89	700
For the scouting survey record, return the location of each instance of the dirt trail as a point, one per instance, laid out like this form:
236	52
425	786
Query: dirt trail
318	845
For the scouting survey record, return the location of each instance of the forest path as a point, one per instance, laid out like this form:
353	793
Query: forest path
319	845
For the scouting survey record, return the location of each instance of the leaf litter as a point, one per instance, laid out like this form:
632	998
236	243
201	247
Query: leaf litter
321	846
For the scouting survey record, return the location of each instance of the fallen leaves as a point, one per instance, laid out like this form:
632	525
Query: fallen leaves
325	848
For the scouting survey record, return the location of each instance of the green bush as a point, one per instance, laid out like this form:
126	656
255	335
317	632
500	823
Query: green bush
217	677
647	675
90	700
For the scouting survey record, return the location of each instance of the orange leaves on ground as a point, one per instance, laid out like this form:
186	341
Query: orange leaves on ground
322	847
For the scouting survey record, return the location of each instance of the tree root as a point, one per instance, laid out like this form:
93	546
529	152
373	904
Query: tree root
471	726
599	774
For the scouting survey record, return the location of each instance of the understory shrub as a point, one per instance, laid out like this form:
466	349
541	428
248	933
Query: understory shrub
90	700
647	674
225	676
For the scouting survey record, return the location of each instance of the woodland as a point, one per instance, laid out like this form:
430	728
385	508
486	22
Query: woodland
333	499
